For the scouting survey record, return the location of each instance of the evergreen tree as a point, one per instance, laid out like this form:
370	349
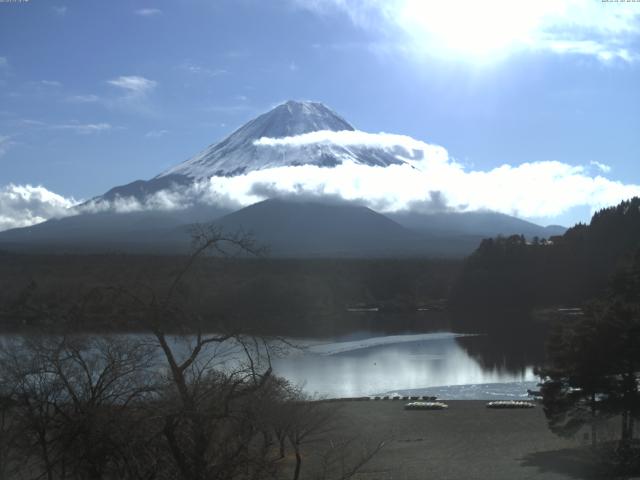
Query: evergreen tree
593	365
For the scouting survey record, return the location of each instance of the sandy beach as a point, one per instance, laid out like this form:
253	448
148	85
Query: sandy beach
466	441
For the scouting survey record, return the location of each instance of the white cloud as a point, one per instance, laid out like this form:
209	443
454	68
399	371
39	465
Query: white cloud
490	28
133	84
170	199
5	144
49	83
543	189
83	128
202	70
25	205
133	94
86	98
156	133
604	168
148	12
72	126
346	138
602	52
60	10
30	123
4	63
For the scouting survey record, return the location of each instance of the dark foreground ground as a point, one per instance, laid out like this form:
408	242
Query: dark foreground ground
467	441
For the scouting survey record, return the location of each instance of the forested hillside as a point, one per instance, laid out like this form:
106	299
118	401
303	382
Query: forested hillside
513	274
262	295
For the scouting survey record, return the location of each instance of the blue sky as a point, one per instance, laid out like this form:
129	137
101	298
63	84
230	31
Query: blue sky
95	94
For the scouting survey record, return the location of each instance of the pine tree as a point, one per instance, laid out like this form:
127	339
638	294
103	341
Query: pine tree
593	364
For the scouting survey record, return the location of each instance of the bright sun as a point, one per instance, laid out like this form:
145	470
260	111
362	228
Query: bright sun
475	28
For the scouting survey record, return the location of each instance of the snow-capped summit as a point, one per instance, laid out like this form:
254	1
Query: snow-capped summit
278	138
243	151
151	216
293	118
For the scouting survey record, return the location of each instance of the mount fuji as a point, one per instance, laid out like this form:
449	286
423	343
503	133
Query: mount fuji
243	152
289	227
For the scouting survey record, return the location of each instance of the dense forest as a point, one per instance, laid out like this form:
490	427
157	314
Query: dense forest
591	374
258	295
499	285
512	274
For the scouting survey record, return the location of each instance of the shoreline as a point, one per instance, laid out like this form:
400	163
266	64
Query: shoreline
466	441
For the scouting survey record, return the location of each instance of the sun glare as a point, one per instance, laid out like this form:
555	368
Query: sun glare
472	28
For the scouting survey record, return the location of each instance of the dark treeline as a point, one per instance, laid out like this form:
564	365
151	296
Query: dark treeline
499	285
511	274
263	295
515	289
157	406
592	373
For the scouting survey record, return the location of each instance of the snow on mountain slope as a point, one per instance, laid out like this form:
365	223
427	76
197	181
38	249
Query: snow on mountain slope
304	150
245	150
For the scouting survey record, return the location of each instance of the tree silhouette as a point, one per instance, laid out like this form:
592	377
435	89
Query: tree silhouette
593	365
512	274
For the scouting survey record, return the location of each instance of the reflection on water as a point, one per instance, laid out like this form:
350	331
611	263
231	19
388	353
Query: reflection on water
507	349
394	364
444	364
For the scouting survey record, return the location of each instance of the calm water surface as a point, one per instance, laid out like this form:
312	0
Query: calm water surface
432	363
448	365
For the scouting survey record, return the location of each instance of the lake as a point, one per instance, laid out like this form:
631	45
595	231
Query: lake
444	364
439	363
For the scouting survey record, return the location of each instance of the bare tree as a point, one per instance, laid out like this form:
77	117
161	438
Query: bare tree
205	425
194	405
314	429
71	401
8	430
308	421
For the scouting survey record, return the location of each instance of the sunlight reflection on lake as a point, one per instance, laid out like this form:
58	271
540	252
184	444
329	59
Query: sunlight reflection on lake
415	364
396	364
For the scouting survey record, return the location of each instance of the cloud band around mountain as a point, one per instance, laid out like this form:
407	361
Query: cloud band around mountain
535	189
544	189
25	205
